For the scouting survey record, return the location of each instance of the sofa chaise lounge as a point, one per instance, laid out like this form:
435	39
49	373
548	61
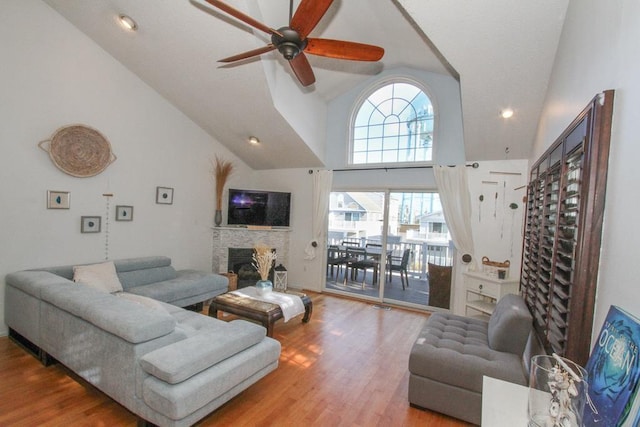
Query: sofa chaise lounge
452	354
167	365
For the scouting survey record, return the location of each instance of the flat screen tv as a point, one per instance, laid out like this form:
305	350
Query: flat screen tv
254	207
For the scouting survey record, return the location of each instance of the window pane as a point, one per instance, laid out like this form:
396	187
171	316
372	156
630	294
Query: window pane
374	157
375	131
402	115
391	126
375	144
360	132
386	108
405	90
362	118
391	143
359	158
381	94
359	145
390	156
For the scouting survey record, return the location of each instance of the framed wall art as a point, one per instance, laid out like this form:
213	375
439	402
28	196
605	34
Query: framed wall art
164	195
90	224
58	199
124	213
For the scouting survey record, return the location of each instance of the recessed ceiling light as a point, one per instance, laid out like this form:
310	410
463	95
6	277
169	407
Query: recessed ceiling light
253	140
127	23
506	113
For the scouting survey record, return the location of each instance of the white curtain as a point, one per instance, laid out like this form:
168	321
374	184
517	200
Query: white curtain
453	187
322	181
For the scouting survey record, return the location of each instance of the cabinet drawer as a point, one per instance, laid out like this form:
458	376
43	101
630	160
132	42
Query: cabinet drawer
484	288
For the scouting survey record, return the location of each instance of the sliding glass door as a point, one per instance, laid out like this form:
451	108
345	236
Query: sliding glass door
381	243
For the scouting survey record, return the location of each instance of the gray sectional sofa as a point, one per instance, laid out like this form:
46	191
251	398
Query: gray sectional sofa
168	365
452	354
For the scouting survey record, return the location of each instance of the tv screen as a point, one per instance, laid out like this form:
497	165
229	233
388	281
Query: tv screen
253	207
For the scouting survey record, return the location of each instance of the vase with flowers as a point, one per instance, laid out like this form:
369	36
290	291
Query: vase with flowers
222	170
263	260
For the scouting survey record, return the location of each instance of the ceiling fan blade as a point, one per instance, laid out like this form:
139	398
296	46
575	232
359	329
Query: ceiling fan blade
249	54
308	15
242	17
341	49
302	69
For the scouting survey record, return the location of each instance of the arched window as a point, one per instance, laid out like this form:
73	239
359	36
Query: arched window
394	124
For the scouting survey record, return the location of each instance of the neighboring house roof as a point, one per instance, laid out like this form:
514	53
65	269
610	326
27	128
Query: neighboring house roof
370	202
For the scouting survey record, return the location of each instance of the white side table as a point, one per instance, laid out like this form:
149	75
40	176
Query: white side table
483	292
504	404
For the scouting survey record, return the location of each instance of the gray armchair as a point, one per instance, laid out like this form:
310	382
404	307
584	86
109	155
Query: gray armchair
453	353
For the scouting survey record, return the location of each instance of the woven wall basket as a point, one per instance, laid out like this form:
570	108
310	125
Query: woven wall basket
79	151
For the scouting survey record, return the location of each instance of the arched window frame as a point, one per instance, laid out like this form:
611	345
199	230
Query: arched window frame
365	96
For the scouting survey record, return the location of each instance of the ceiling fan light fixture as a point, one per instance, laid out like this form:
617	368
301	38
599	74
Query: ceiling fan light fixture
288	50
253	140
127	22
288	42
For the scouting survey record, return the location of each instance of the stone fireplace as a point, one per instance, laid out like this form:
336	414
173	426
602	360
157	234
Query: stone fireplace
233	249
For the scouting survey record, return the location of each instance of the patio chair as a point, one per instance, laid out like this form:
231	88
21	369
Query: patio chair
336	258
364	262
400	264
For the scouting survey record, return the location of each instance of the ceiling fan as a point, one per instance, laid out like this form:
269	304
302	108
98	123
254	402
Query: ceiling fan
292	41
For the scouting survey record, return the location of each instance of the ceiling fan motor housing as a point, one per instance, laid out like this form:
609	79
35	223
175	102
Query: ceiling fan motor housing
290	44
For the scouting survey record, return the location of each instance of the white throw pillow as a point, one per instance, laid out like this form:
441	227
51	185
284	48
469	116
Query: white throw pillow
99	276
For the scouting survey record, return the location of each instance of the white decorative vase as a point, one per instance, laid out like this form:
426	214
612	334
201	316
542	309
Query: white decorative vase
263	287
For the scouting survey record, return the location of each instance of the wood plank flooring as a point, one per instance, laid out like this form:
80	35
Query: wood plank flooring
347	367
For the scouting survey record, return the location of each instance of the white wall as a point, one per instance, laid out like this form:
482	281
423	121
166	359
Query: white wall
51	76
301	273
497	228
599	50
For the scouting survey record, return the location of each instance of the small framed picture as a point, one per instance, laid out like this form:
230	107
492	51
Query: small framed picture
164	195
124	213
57	199
90	224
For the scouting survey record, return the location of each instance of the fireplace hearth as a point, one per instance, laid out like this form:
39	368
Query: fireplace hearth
241	262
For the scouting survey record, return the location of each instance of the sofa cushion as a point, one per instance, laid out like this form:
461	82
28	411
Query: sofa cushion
176	362
218	383
510	325
145	276
99	276
141	263
118	316
187	283
454	350
144	301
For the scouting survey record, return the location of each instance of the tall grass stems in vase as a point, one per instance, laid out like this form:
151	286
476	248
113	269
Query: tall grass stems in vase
263	259
222	171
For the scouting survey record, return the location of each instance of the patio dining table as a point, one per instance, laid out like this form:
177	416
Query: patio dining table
375	252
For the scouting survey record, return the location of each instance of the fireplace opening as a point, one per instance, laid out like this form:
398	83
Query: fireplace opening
241	262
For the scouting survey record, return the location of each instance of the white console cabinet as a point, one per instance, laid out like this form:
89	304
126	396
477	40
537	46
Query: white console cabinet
483	292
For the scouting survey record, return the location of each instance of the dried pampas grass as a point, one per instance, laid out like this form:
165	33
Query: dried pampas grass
222	169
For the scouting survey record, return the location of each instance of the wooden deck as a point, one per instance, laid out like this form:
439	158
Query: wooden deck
416	293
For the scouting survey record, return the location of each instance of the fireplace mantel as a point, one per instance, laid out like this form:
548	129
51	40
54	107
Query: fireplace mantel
236	237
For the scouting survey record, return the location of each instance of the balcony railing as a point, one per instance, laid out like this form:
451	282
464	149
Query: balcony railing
438	251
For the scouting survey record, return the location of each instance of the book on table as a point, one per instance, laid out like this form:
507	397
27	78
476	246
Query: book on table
613	372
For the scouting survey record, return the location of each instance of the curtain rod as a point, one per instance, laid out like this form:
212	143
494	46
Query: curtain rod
474	165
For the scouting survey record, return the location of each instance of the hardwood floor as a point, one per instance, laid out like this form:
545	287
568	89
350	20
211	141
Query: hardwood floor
347	367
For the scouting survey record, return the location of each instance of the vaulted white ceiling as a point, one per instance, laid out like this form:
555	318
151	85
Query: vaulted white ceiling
502	52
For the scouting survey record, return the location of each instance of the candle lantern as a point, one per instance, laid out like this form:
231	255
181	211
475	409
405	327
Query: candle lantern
280	278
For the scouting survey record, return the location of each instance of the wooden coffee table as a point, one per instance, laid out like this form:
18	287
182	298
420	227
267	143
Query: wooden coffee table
264	312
